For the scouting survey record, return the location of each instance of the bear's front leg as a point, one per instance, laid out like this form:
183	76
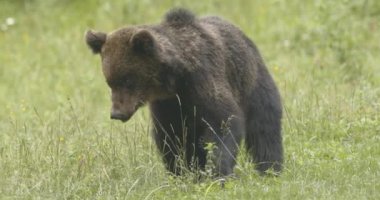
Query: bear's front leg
168	132
225	129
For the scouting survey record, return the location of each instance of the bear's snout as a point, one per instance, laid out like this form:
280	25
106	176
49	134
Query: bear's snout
120	116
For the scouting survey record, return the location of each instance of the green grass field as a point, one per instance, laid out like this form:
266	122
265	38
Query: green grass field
57	141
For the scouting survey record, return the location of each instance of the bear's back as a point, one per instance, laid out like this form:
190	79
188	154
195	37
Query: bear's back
241	57
212	46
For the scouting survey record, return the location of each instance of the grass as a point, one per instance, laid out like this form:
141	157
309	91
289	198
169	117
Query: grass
57	141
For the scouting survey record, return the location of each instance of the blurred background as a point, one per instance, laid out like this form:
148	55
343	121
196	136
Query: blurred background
57	141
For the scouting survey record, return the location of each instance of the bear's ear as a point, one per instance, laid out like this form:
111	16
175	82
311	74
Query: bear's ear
143	42
95	40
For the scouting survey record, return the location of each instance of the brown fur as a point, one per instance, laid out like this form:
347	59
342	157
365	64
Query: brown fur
204	80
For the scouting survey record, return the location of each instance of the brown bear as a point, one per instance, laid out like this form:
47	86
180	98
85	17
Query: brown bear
204	81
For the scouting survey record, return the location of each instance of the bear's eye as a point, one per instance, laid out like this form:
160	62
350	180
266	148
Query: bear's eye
129	83
122	82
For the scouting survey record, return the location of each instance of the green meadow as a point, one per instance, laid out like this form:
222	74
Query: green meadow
57	141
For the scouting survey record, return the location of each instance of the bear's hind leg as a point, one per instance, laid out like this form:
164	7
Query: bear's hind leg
263	125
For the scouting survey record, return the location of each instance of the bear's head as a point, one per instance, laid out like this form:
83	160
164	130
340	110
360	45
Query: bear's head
134	67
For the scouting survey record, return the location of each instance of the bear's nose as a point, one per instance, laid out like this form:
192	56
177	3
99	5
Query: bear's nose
120	116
